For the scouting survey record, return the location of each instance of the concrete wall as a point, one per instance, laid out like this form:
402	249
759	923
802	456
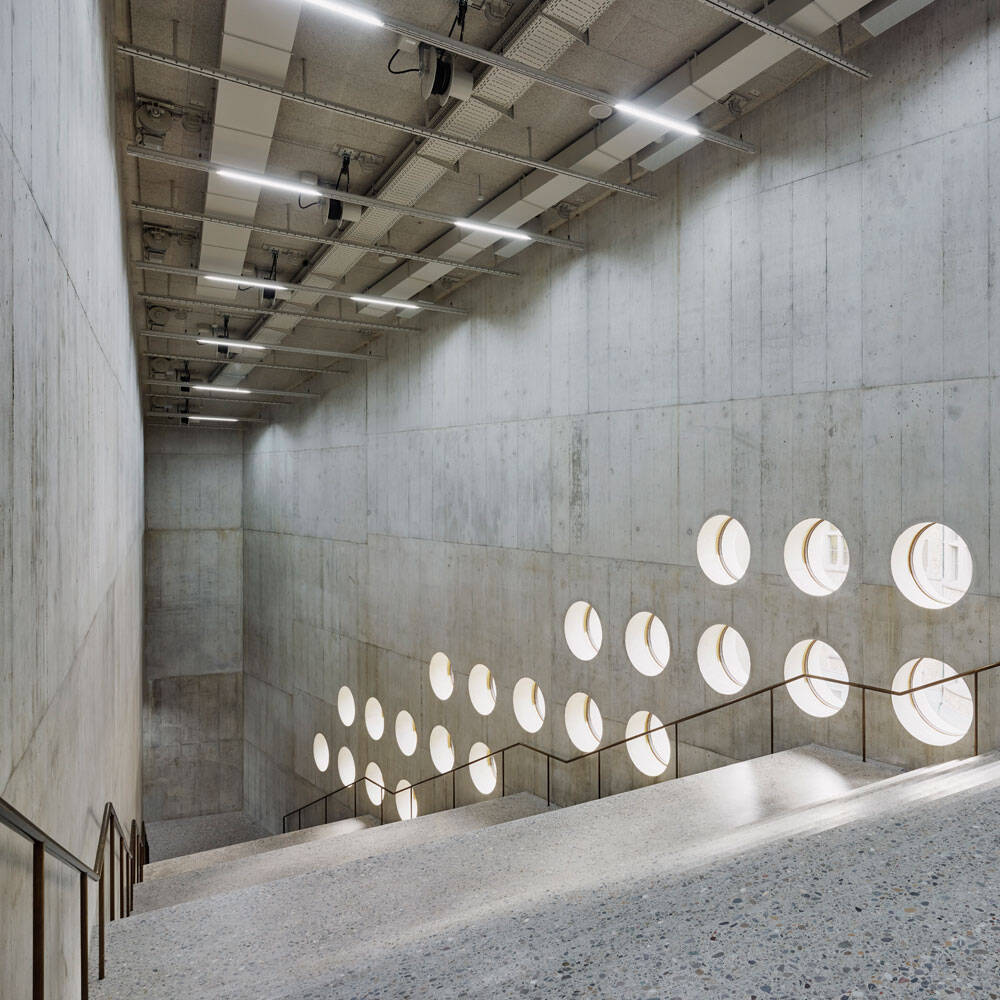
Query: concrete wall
193	655
70	471
803	333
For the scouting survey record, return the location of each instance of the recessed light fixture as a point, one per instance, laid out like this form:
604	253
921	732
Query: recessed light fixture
249	282
220	342
671	124
479	227
269	182
372	300
349	10
220	388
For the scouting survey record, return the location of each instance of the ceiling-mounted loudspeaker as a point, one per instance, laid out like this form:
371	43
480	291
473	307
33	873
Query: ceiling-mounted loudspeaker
440	78
339	211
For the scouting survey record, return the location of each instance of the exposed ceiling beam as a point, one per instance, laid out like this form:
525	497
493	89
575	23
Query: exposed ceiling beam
249	363
380	249
209	387
211	167
206	418
262	345
243	401
393	123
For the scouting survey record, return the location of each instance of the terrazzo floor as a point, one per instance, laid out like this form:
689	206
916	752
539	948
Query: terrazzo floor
885	889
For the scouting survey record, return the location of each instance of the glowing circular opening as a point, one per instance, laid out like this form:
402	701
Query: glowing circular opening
442	749
584	633
483	772
374	718
345	706
406	733
583	722
406	800
723	549
815	695
442	679
650	751
816	556
345	766
482	689
374	783
647	643
938	715
723	659
321	752
529	705
932	565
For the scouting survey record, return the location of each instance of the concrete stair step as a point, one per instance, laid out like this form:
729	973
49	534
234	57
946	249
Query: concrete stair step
307	851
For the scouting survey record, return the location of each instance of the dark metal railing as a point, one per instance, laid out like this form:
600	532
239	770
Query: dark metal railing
674	724
133	855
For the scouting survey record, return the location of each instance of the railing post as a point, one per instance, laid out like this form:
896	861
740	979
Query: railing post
975	715
381	809
677	754
503	775
84	940
864	724
772	720
111	875
121	877
355	798
452	788
326	810
38	921
100	926
598	773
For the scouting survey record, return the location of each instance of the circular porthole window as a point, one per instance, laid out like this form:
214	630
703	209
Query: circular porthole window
482	689
584	633
816	556
583	722
484	771
406	800
723	659
406	733
723	549
374	718
647	643
932	565
374	783
442	750
815	694
345	766
442	679
938	715
321	752
345	706
650	750
529	705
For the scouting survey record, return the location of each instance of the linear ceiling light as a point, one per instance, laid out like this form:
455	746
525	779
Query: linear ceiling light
273	286
215	420
261	180
215	388
221	342
500	231
372	300
670	124
349	10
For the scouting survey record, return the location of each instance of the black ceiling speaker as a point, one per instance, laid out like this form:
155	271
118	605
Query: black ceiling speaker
440	78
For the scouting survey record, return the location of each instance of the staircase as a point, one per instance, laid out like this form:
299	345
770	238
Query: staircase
806	873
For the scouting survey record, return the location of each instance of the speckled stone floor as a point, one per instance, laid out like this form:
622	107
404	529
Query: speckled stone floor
881	888
171	838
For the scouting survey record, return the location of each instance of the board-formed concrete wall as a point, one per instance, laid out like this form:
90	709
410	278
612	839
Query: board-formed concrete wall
70	471
193	649
803	333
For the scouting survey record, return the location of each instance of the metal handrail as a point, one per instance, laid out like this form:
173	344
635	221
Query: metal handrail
133	854
673	724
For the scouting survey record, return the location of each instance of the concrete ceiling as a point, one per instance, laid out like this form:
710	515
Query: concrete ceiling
634	45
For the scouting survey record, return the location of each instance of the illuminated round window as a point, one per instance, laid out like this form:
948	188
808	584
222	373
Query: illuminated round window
321	752
482	689
938	715
529	705
406	800
442	750
723	549
374	783
345	766
584	633
816	556
932	565
650	750
374	718
814	694
647	643
583	722
723	659
406	733
345	705
442	679
484	771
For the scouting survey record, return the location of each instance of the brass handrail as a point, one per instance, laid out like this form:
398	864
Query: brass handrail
133	854
673	724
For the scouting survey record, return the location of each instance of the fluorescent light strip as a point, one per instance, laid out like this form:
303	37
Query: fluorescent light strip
349	10
215	420
214	388
268	182
478	227
671	124
220	342
371	300
247	282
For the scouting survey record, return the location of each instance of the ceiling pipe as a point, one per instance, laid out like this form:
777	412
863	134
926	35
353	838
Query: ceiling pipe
249	362
197	69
